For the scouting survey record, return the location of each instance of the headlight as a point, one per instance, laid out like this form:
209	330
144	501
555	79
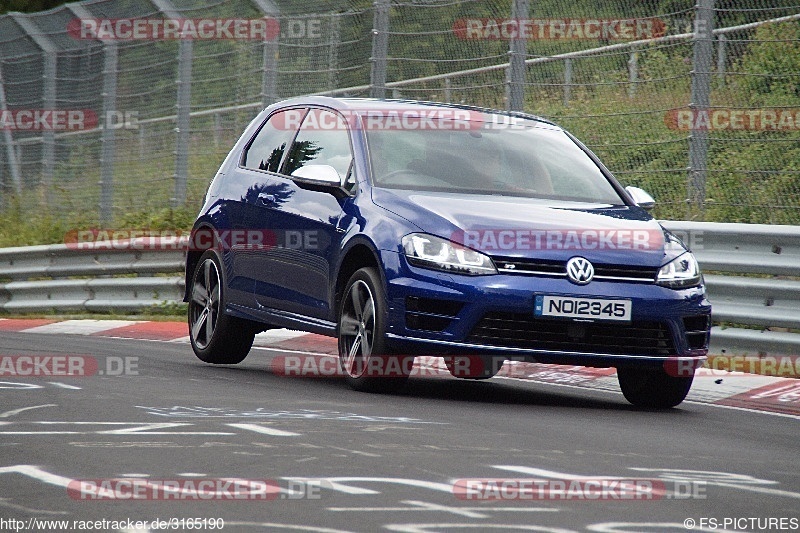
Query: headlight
680	273
428	251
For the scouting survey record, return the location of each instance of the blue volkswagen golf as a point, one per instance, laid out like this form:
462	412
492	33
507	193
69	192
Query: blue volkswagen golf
405	228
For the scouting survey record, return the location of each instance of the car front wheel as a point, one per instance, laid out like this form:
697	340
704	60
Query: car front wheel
653	388
366	360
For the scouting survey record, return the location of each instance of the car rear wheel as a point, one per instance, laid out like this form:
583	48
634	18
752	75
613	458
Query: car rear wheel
216	337
654	388
367	362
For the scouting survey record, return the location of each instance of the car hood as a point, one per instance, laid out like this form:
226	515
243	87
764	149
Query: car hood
532	228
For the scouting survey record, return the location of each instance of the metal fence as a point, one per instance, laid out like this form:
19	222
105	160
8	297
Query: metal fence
698	104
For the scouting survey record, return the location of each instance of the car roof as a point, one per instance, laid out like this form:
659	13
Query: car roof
364	104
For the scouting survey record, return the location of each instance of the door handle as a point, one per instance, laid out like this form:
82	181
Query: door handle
266	199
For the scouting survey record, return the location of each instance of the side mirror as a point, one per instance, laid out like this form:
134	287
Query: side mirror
324	175
641	197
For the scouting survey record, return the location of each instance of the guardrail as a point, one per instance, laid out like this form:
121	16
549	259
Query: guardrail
752	275
90	278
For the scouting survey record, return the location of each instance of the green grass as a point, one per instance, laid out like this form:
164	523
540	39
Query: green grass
163	312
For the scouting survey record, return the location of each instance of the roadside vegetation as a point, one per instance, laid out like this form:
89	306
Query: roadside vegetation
753	176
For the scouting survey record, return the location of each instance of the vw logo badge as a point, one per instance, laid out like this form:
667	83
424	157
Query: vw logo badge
580	270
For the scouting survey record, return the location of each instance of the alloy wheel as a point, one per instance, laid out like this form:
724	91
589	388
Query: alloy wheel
205	303
357	328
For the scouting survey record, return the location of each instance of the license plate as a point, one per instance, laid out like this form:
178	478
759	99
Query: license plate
589	308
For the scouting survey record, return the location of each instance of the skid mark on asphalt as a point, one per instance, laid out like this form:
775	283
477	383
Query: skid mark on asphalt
260	412
265	430
6	502
469	512
435	527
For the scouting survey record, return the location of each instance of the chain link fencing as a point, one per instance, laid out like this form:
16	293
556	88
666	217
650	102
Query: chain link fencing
697	104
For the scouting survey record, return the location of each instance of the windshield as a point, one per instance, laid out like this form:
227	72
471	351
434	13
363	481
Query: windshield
524	158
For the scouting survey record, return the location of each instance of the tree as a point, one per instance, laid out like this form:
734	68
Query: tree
28	6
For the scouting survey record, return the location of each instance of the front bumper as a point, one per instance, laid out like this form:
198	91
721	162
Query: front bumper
440	313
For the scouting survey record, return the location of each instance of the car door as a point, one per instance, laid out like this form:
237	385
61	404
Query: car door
249	229
295	274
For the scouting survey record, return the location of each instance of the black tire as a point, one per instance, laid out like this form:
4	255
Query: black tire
216	337
473	366
653	388
367	362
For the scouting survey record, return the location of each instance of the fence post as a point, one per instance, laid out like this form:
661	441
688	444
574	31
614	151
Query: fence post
633	72
448	95
142	141
108	136
49	101
722	43
184	105
217	129
269	67
517	54
703	43
567	81
49	76
269	77
380	49
108	108
11	153
333	51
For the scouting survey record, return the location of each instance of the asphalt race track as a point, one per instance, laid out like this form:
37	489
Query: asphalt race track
338	460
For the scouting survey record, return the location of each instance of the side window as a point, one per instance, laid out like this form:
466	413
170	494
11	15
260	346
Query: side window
322	140
272	140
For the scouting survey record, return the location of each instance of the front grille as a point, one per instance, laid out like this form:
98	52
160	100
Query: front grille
427	322
522	330
559	269
539	268
697	331
433	306
628	273
430	314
